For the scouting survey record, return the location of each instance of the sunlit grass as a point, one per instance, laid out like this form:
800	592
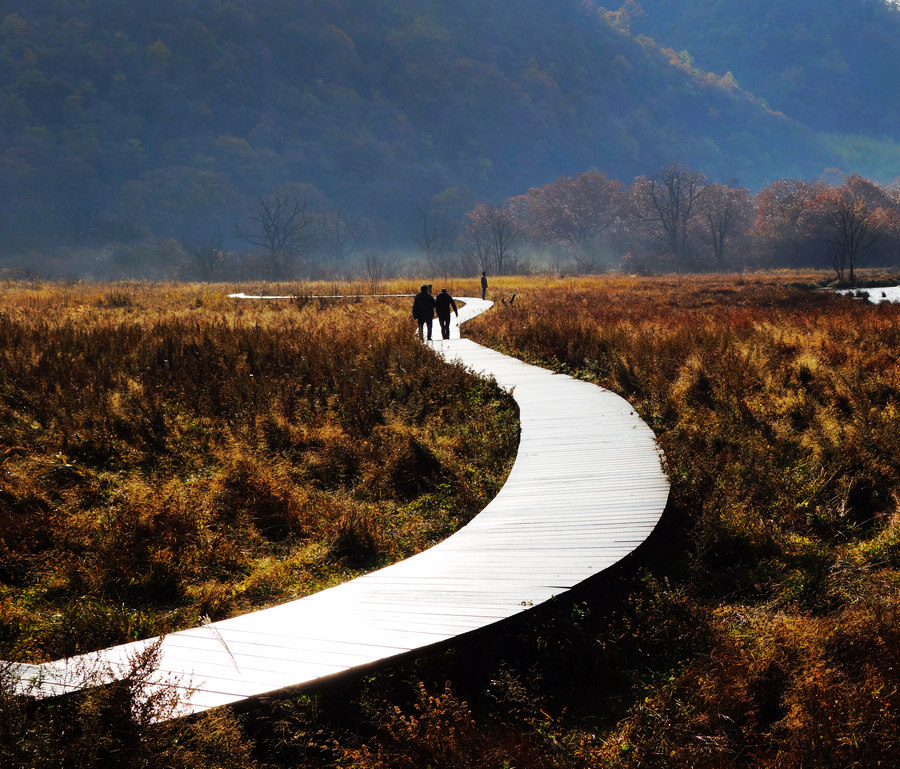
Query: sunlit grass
170	454
776	405
758	627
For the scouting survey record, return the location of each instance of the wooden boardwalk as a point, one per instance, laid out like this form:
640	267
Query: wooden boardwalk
587	487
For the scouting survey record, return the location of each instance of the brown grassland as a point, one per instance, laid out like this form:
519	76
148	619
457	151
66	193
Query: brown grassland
758	627
168	454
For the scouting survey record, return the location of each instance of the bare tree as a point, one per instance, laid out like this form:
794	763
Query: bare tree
207	258
851	222
666	205
476	246
434	230
375	268
339	235
280	226
726	213
492	237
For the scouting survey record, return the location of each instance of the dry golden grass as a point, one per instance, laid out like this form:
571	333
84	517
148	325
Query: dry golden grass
758	628
167	453
776	405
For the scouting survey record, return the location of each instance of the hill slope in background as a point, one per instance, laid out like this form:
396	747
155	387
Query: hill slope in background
831	65
125	122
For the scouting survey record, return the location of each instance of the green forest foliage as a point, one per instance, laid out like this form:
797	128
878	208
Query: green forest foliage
825	63
133	123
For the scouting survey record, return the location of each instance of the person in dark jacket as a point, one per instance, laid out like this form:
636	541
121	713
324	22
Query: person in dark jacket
423	310
443	302
483	285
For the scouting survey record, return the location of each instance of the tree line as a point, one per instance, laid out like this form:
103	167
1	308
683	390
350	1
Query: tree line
678	220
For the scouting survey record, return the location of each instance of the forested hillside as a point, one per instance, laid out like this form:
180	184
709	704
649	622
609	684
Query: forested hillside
129	131
830	64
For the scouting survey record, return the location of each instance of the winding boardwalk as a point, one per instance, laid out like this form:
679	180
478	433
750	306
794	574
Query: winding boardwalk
587	487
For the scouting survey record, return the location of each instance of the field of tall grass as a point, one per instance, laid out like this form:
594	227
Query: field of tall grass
769	602
758	627
168	454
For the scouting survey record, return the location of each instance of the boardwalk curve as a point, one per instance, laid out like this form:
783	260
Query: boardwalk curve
587	487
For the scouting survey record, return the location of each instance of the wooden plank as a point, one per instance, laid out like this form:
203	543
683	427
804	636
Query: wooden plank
587	487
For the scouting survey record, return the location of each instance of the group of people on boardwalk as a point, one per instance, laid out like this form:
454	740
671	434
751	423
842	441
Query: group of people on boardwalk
425	305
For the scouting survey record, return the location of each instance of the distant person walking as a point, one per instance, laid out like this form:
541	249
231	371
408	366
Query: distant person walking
423	310
443	302
483	285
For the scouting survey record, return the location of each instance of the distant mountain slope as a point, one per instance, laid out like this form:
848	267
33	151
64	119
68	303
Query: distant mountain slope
123	121
831	64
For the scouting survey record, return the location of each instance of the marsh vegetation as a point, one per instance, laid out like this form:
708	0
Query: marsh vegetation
169	454
756	628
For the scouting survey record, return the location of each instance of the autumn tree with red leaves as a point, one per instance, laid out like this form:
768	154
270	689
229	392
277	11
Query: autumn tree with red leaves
572	214
780	227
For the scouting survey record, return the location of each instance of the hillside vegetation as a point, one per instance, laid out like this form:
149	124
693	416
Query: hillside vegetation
163	125
826	64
